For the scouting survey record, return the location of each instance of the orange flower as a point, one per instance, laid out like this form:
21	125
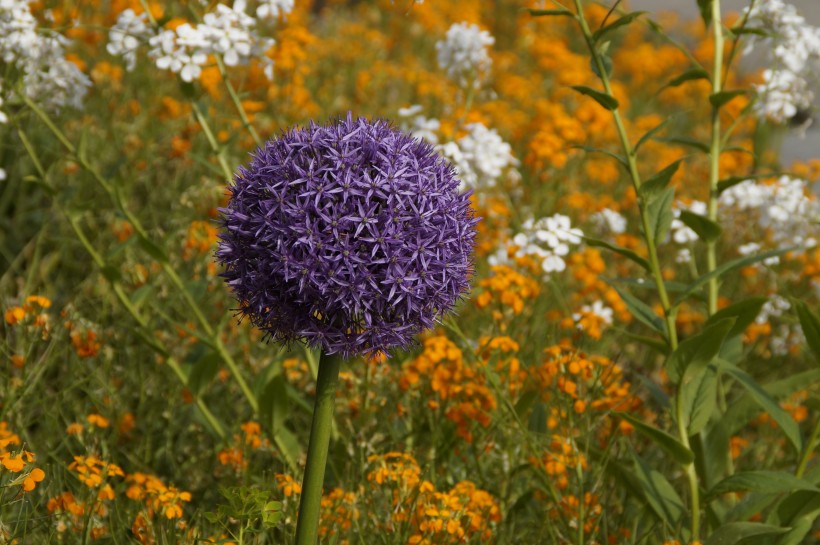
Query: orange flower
36	476
75	428
97	420
15	315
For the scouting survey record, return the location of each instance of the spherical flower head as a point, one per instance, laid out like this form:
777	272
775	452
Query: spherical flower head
351	236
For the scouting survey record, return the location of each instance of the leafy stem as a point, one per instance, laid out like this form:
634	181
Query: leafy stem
632	167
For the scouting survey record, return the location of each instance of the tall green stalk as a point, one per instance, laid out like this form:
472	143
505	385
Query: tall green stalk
714	154
632	167
654	263
307	525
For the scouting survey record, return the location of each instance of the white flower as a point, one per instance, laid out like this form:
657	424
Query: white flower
226	31
792	47
419	125
2	175
271	9
463	54
481	157
548	240
786	209
127	34
609	221
39	56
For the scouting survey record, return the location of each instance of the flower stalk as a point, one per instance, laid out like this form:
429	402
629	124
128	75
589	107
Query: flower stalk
654	263
307	525
714	154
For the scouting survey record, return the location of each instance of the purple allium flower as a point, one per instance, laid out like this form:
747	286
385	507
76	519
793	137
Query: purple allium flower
350	236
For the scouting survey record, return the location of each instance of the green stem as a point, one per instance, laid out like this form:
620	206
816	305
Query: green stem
307	525
635	176
691	473
243	115
668	310
808	450
714	154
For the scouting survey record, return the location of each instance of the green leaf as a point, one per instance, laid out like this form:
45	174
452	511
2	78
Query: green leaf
770	482
799	510
744	409
204	371
642	312
726	267
590	149
693	354
525	403
658	182
650	133
626	252
686	141
735	532
618	23
794	506
660	216
811	327
699	399
153	250
768	404
288	446
651	342
551	13
607	101
744	313
706	229
271	514
606	60
718	100
274	406
141	294
798	532
111	273
659	494
689	75
665	441
705	7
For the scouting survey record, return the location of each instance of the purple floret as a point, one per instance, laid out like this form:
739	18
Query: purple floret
352	237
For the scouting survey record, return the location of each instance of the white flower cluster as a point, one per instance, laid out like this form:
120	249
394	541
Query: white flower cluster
127	34
609	222
481	157
419	125
271	9
793	50
784	337
547	239
48	78
463	54
786	209
226	31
